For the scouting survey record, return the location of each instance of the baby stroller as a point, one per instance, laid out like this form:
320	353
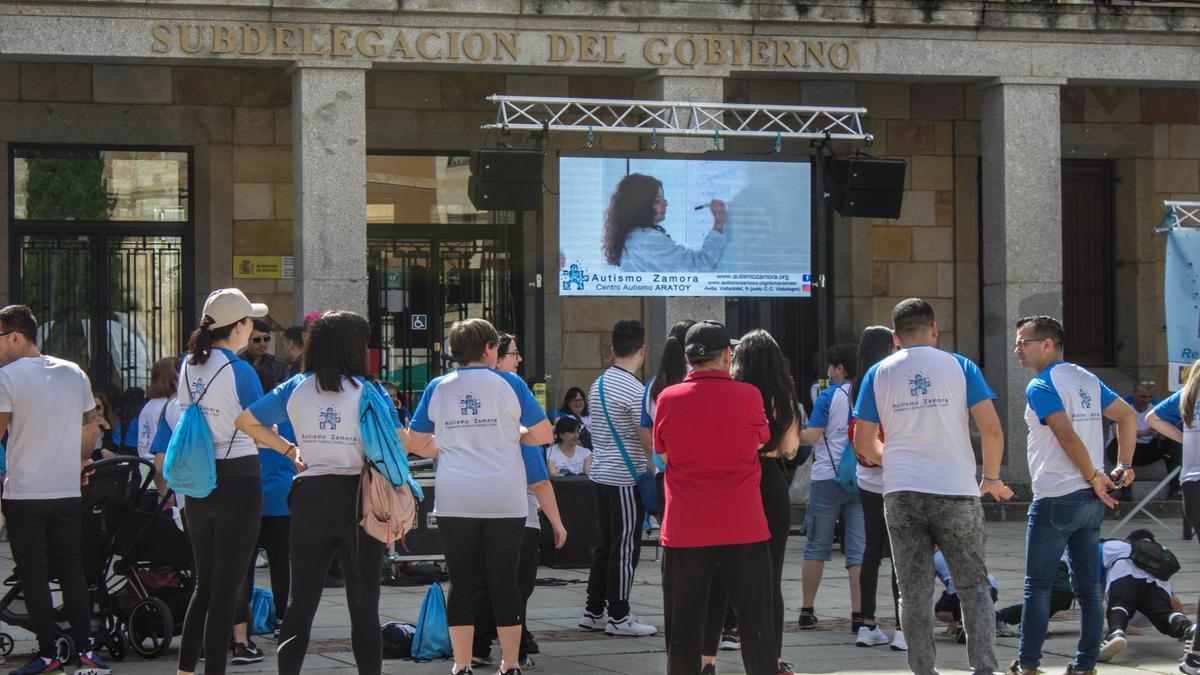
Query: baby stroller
115	488
156	564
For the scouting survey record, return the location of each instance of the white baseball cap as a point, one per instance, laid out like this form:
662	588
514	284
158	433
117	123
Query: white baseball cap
229	305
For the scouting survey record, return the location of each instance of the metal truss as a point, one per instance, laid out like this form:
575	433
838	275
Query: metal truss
678	118
1180	214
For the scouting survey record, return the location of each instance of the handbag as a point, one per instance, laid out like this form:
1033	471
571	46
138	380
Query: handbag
801	483
388	512
646	489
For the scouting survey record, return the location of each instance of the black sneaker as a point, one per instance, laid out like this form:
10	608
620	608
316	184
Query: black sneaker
709	669
856	622
244	654
961	638
530	645
1190	665
808	618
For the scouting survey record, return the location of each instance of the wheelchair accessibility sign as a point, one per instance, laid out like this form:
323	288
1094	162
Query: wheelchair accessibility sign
420	321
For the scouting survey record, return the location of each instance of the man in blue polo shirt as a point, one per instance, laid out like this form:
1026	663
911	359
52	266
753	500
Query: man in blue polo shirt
921	396
1065	404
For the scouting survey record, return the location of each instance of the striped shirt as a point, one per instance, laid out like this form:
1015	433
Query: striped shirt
623	394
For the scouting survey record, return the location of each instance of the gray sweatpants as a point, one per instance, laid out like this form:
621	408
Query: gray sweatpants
916	521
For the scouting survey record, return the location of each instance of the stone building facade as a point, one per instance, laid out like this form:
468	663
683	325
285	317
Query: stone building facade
279	104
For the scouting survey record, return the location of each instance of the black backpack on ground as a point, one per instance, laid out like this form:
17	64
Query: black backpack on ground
1154	558
397	640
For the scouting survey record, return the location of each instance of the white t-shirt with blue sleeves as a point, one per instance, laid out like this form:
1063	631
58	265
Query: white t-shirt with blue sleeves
1066	388
229	393
325	423
921	396
148	421
1169	411
476	414
831	413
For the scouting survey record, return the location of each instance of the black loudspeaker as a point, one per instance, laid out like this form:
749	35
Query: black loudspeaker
867	187
577	507
504	196
509	180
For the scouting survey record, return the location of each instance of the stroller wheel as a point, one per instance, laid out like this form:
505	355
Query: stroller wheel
65	646
115	643
6	644
150	628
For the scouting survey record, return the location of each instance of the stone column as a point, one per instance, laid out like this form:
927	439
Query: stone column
666	311
1022	237
329	165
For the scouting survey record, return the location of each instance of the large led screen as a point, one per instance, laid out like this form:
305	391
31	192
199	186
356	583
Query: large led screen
684	227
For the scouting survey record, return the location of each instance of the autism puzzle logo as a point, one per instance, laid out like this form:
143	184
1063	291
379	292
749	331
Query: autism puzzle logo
918	385
1085	399
329	418
575	275
469	404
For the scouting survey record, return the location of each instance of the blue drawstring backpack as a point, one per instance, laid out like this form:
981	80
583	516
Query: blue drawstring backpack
432	639
383	448
190	467
262	607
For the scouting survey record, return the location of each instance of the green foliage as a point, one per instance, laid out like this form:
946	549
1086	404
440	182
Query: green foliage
66	185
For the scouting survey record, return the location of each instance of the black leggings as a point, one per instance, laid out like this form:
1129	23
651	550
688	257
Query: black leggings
878	547
272	538
324	523
485	621
1191	510
778	508
488	549
223	527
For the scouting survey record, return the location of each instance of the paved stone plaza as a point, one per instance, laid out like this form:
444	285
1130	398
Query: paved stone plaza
831	649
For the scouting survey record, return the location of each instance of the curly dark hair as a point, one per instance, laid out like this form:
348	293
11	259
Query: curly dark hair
631	207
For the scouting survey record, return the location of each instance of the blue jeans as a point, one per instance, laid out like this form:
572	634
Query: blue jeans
826	501
1070	522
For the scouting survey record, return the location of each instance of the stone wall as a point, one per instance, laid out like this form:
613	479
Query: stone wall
236	120
1153	138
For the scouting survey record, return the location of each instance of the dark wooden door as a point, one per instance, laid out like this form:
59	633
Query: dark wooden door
1088	260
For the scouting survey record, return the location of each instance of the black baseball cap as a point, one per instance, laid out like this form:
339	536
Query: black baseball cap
706	339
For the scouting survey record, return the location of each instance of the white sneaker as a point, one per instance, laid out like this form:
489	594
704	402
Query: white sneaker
870	637
898	643
593	621
1114	644
629	627
260	561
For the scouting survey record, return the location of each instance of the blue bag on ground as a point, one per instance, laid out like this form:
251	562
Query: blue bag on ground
432	639
190	467
377	421
262	607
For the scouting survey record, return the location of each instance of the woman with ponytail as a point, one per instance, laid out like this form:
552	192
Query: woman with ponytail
224	524
1167	418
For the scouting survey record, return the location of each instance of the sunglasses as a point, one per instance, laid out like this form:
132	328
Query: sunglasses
7	332
266	339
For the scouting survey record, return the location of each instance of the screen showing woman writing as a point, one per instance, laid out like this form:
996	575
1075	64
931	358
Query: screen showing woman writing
684	227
